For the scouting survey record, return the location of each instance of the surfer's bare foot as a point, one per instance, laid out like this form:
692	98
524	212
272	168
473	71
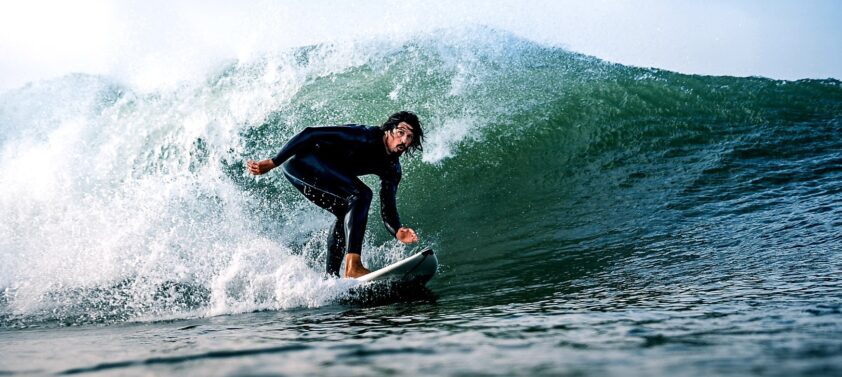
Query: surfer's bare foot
354	266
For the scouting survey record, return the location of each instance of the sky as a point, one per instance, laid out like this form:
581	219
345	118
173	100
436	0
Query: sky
156	42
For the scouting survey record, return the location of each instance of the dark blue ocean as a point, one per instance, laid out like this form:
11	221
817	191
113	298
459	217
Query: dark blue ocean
590	218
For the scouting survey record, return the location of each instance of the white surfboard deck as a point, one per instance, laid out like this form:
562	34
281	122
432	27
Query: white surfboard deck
418	268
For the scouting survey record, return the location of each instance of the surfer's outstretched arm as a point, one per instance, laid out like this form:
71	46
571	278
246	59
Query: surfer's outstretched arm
309	138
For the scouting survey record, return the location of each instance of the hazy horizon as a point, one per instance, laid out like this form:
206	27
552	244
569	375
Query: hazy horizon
150	44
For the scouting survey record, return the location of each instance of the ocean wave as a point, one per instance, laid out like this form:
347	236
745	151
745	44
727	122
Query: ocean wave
112	195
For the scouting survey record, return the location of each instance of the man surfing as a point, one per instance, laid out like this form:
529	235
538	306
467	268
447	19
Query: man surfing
323	163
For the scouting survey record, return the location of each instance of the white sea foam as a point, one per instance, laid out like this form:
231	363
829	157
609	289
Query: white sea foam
442	141
110	186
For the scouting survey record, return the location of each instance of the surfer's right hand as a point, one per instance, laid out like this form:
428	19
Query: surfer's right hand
260	167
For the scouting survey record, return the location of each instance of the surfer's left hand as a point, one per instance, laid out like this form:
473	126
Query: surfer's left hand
406	235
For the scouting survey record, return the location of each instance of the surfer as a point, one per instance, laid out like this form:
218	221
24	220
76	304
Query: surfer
324	164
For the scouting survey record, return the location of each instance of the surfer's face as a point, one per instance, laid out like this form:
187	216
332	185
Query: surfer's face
399	138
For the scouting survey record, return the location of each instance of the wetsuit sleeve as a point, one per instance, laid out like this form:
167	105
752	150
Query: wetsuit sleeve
388	204
309	137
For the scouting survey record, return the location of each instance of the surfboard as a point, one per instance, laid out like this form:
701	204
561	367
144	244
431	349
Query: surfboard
416	269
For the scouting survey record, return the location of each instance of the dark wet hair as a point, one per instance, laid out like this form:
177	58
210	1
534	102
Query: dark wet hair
410	118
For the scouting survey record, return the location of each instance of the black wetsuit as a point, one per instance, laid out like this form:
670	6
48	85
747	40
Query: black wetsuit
324	163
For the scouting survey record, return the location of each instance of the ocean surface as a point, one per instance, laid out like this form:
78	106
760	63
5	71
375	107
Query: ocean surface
590	218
